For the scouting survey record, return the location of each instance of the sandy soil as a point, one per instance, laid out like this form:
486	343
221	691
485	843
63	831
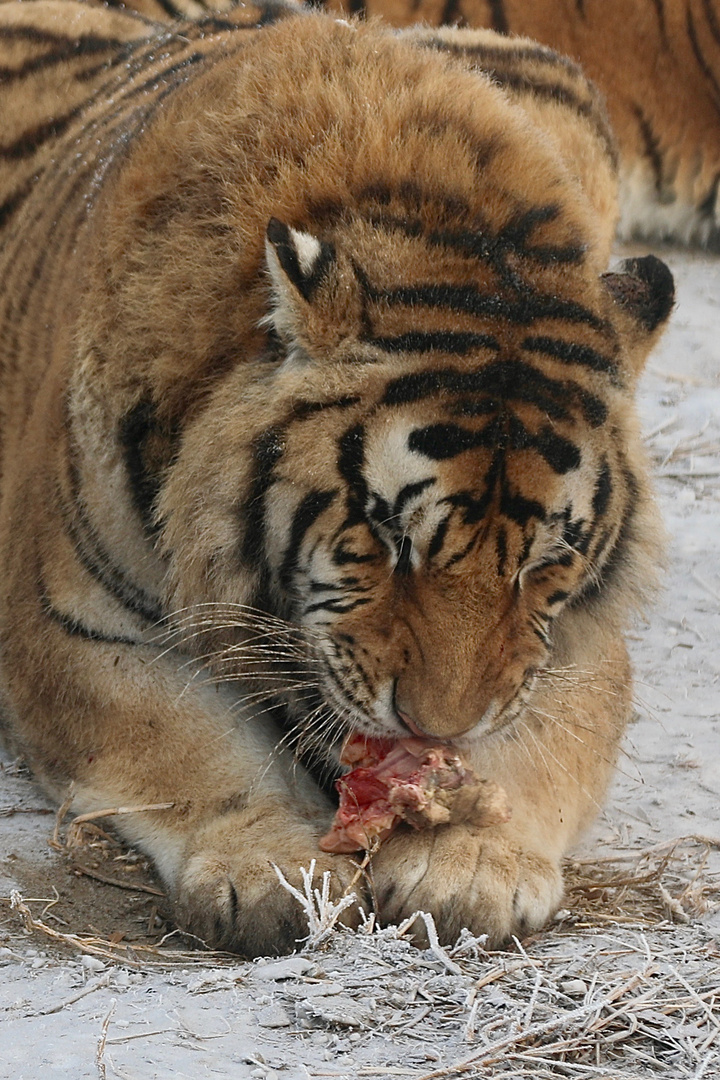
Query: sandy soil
624	984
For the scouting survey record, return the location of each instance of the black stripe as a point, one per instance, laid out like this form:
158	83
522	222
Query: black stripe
436	544
339	607
169	8
267	450
75	628
712	19
32	139
603	490
519	509
93	557
556	91
71	49
651	145
570	352
660	11
15	201
450	16
557	597
495	249
707	205
501	548
561	94
458	343
404	556
492	54
561	455
136	429
576	536
521	310
302	409
34	35
436	123
342	556
702	62
351	458
439	442
617	557
458	556
511	380
409	492
498	16
309	510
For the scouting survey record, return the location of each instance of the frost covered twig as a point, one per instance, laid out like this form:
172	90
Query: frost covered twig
321	912
433	942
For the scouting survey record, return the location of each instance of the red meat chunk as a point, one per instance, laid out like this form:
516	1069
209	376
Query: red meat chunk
416	780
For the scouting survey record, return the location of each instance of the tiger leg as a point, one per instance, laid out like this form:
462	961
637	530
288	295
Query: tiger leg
131	724
235	810
555	765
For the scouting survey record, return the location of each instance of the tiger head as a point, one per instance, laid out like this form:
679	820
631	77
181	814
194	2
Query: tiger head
402	379
443	469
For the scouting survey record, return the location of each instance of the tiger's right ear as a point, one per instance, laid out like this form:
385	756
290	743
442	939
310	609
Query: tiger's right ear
645	291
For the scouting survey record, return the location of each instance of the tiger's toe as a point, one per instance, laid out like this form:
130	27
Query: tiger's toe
466	880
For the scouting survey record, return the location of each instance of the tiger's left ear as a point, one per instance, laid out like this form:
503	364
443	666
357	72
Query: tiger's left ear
645	291
298	264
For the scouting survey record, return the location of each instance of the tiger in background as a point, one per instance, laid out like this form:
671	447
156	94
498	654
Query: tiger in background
316	416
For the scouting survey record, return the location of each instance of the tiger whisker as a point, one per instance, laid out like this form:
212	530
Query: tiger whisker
571	776
561	724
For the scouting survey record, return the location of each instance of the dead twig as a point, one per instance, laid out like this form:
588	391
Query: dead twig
78	868
100	1053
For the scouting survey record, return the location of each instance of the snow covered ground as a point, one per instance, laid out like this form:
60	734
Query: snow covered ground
623	985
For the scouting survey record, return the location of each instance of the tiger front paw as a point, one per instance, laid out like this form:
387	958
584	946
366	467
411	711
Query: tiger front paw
482	879
229	894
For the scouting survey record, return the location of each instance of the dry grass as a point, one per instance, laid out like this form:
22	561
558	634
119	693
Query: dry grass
623	986
647	887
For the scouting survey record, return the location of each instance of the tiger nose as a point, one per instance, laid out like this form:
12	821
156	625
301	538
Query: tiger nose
446	717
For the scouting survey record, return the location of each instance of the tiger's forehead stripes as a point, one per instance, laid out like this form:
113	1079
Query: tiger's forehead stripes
510	379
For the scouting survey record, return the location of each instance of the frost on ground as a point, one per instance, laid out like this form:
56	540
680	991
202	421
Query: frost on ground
625	982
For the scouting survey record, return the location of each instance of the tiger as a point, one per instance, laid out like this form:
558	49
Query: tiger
657	63
317	418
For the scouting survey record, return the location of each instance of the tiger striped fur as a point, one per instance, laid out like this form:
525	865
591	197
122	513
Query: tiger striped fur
658	64
317	415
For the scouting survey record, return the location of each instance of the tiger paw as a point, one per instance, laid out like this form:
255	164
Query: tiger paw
479	879
230	896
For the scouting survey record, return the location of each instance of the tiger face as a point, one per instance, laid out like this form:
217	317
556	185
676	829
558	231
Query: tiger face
447	470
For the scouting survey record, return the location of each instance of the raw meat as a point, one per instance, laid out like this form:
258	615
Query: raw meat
416	780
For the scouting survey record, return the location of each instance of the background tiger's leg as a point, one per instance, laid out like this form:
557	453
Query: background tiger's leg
555	764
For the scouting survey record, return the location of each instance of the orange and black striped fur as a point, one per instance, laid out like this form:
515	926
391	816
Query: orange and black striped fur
657	63
317	415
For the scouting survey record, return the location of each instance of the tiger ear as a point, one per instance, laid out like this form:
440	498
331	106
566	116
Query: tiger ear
645	291
296	258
